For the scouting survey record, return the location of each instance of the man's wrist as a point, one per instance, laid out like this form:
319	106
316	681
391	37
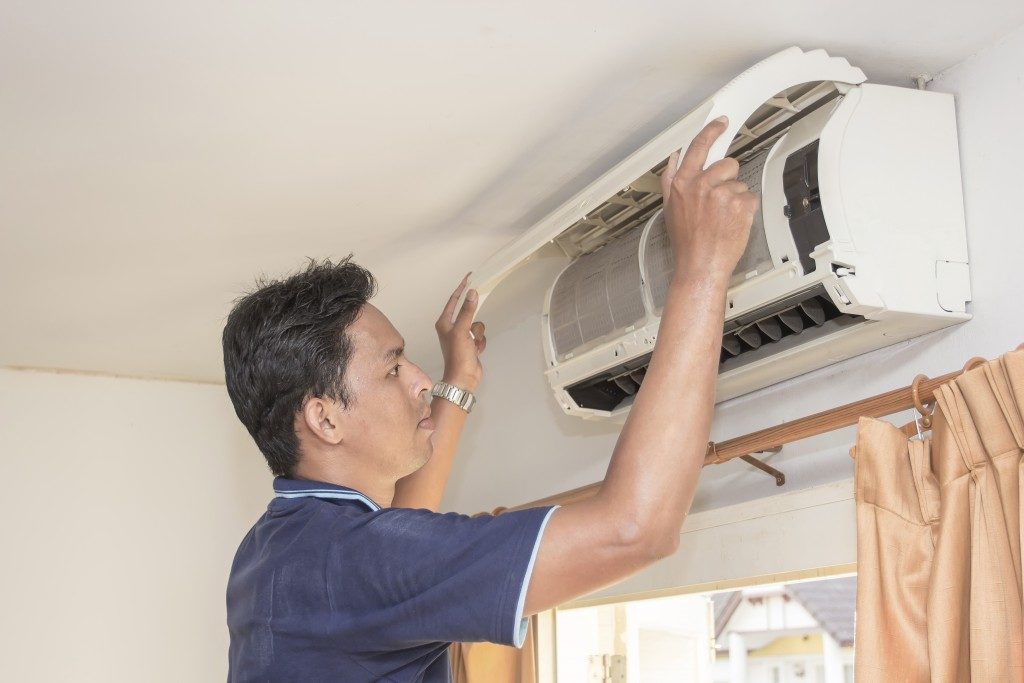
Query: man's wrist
463	398
461	381
704	279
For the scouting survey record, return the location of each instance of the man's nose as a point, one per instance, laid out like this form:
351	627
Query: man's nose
421	380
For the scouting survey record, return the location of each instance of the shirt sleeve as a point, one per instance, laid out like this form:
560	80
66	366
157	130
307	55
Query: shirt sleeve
403	577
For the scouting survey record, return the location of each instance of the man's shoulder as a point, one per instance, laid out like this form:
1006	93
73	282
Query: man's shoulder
299	526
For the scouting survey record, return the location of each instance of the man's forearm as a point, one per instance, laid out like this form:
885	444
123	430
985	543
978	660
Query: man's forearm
424	488
462	342
657	460
636	516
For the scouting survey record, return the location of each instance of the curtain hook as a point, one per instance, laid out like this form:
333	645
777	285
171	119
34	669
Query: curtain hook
922	409
973	363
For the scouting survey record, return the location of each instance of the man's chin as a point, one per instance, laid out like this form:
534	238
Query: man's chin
425	455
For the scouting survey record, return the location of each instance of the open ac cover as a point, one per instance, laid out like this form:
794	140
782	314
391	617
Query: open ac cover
859	242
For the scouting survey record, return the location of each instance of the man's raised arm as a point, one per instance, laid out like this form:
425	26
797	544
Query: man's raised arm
462	342
636	517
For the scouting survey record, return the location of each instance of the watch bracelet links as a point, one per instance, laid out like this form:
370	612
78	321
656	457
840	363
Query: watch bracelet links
460	397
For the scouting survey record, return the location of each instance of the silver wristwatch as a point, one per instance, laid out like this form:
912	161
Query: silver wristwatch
460	397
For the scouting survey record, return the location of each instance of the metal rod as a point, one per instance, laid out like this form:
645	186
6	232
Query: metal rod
773	437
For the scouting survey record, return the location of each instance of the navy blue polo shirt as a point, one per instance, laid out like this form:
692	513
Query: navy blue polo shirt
327	586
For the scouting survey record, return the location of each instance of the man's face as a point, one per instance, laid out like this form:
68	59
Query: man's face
384	422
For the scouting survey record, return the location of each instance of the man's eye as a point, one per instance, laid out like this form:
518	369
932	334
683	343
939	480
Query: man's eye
394	371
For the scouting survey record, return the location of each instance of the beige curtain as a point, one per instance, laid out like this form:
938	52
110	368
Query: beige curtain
490	663
939	536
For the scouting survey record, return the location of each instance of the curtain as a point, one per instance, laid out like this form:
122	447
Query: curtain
490	663
939	534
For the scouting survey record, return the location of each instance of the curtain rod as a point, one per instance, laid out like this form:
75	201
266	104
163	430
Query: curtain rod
915	395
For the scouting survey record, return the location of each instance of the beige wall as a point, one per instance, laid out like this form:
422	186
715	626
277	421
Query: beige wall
124	501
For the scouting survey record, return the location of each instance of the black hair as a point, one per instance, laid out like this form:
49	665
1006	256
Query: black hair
287	341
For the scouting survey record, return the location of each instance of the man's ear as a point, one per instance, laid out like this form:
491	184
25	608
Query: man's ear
323	417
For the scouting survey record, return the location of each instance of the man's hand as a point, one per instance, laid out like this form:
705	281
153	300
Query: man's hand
708	212
462	340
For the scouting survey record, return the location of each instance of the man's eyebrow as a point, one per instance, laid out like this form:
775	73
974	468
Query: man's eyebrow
393	354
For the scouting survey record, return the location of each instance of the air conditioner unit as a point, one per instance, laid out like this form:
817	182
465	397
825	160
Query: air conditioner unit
859	241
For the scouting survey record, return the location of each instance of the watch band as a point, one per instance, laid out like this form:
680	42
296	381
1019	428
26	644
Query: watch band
460	397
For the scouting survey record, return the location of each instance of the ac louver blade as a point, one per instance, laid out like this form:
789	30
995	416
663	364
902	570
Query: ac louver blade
792	320
813	309
625	383
731	345
770	327
750	336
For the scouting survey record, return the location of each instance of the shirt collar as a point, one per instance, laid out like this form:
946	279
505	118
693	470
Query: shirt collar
294	488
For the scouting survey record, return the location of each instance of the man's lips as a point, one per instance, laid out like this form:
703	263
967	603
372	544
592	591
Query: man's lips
426	422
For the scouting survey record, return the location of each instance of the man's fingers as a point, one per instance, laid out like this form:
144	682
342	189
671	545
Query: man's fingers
465	317
697	153
722	171
449	309
752	201
736	186
669	173
479	338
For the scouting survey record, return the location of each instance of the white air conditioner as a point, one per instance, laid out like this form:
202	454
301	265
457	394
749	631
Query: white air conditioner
859	242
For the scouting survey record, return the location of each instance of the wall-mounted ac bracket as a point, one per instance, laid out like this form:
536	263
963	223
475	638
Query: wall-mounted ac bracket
780	477
711	456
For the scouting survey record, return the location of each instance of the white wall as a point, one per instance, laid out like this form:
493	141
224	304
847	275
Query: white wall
125	501
520	447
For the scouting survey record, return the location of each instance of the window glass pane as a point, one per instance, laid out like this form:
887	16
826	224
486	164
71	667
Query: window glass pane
799	632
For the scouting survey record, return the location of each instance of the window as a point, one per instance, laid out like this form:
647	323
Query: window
663	639
796	632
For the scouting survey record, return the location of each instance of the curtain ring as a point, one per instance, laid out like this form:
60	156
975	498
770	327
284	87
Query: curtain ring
973	363
915	393
712	451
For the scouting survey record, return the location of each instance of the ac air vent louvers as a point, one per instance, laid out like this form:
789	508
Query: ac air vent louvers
808	314
812	312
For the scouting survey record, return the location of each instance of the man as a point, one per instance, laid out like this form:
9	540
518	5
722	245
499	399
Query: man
350	575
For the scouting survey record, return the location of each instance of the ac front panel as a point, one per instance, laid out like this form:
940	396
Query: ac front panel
758	94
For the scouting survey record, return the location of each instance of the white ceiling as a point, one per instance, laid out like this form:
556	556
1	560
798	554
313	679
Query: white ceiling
158	156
